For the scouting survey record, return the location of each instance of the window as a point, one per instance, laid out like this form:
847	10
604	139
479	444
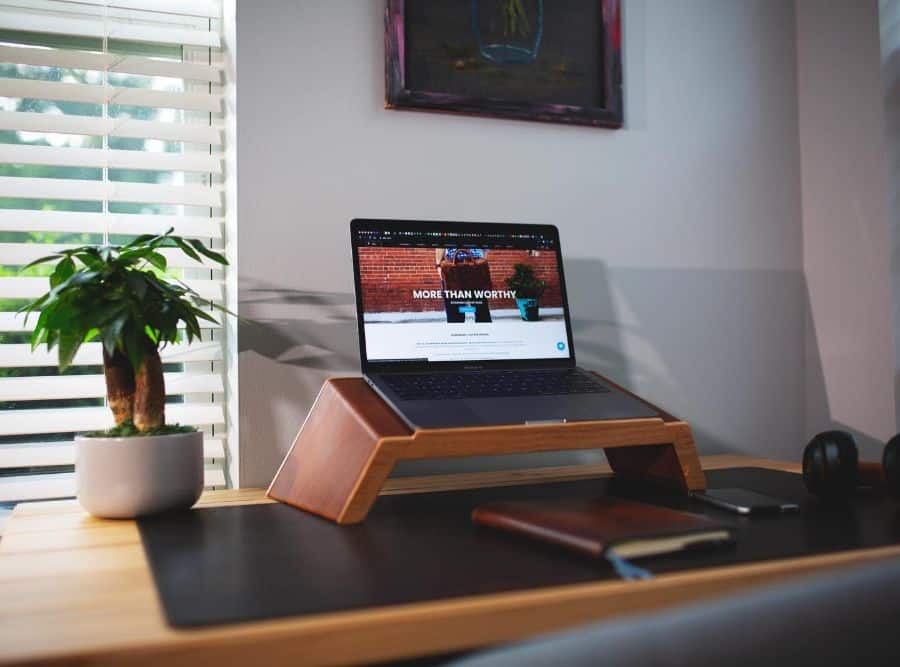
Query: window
112	124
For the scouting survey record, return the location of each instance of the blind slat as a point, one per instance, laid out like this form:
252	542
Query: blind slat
43	454
11	321
19	355
19	254
13	220
37	454
31	288
114	159
110	62
37	487
97	94
112	28
207	8
65	420
62	485
114	191
125	9
27	121
44	387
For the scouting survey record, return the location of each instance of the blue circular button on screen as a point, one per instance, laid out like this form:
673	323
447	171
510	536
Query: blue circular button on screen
560	346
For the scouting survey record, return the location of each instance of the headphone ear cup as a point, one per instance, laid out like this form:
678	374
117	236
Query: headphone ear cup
831	465
890	462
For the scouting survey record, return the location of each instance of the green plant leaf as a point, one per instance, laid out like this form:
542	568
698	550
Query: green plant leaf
141	240
157	260
149	239
40	333
152	334
211	254
62	314
138	283
64	270
185	248
68	347
76	279
90	257
34	306
41	260
203	315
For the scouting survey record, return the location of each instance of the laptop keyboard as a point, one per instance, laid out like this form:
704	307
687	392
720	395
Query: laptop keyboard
430	386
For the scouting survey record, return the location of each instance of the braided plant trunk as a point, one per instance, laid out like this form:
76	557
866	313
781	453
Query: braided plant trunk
150	393
120	386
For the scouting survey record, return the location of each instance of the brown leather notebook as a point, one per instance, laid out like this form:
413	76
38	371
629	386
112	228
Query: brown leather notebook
604	526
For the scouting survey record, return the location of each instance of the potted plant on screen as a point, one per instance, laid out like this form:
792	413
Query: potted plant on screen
120	297
528	291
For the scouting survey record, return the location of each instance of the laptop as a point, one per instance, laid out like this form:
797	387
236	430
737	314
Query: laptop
467	324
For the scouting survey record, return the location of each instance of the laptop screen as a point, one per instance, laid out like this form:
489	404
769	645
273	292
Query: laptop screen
452	292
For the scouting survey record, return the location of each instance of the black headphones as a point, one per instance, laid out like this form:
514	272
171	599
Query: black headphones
831	466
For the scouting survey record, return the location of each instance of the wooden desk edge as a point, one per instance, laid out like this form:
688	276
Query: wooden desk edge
440	626
384	634
430	483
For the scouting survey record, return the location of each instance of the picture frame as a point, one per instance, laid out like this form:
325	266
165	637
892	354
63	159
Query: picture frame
438	60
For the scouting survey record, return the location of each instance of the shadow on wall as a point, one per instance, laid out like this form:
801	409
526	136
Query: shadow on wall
304	329
722	349
294	342
819	414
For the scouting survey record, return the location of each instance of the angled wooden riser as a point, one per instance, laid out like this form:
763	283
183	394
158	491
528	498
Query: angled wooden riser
352	439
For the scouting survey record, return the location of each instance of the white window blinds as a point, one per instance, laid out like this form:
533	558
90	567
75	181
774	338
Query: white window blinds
111	125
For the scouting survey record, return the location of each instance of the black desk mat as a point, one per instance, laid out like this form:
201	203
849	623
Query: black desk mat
254	562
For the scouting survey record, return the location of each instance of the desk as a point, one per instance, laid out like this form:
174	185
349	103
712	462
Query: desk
77	590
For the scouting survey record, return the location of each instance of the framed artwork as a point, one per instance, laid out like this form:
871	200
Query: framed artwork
546	60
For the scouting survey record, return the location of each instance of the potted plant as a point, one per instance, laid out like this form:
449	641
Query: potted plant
120	297
528	291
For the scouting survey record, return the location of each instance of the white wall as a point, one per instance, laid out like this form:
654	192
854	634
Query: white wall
681	232
846	237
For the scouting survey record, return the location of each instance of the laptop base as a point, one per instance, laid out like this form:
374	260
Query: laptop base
352	439
465	412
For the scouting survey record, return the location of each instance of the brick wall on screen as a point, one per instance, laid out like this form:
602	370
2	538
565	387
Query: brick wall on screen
389	275
544	264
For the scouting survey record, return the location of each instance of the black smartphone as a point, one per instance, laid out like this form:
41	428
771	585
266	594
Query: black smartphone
743	501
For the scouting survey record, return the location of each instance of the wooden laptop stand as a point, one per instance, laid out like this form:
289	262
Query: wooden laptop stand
351	440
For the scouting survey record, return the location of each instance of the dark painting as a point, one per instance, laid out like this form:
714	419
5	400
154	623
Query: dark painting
554	60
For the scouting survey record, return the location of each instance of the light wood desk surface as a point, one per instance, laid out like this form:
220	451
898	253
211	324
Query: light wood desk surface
78	590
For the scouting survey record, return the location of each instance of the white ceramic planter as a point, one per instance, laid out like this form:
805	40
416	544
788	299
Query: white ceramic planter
123	478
